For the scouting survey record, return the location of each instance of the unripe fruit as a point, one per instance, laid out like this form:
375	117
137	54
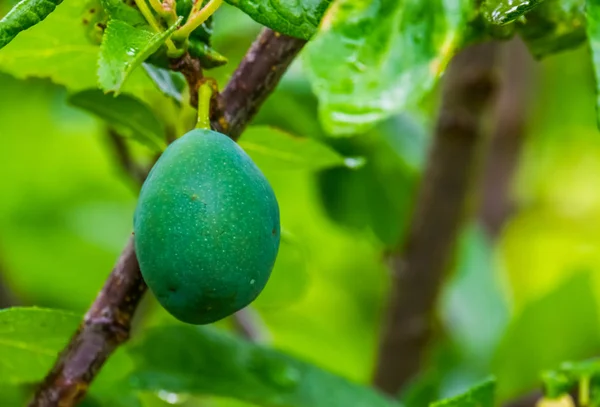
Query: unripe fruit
206	228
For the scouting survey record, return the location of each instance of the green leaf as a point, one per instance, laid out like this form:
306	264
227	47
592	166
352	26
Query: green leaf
506	11
380	195
209	58
371	59
203	360
554	26
24	15
123	112
57	48
118	10
30	339
593	35
481	395
273	148
170	83
562	380
123	49
64	48
295	18
520	358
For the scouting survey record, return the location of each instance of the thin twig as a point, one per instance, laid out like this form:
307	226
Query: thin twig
107	323
248	324
123	155
470	84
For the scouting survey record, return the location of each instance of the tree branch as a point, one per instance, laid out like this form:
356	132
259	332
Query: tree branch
470	85
507	137
107	323
255	78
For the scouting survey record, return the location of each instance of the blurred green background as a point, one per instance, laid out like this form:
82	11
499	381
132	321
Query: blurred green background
513	306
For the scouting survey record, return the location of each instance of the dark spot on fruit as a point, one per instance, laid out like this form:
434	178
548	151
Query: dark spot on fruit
85	21
92	10
274	231
194	197
171	289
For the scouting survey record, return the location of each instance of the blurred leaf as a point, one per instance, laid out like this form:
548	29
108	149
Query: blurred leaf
562	380
481	395
119	10
557	327
24	15
371	59
170	83
473	306
593	35
378	196
123	111
81	201
554	26
111	387
30	339
15	394
202	360
124	48
289	278
270	147
507	11
297	19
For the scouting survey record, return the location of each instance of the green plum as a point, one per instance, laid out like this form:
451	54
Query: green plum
206	228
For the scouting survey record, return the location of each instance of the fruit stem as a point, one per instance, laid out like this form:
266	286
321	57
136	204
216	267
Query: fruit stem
197	18
147	13
204	97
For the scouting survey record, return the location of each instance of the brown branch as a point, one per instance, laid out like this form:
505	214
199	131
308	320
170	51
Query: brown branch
507	138
470	85
192	72
107	323
265	63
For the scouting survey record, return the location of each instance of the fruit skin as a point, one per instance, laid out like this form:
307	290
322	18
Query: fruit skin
206	228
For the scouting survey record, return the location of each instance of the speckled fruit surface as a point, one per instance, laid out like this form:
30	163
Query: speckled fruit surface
206	228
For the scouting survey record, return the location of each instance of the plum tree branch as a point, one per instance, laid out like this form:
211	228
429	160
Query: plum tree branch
107	323
470	85
507	138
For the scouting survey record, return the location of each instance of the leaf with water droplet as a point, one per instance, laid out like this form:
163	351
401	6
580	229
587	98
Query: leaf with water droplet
372	59
204	360
506	11
124	48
